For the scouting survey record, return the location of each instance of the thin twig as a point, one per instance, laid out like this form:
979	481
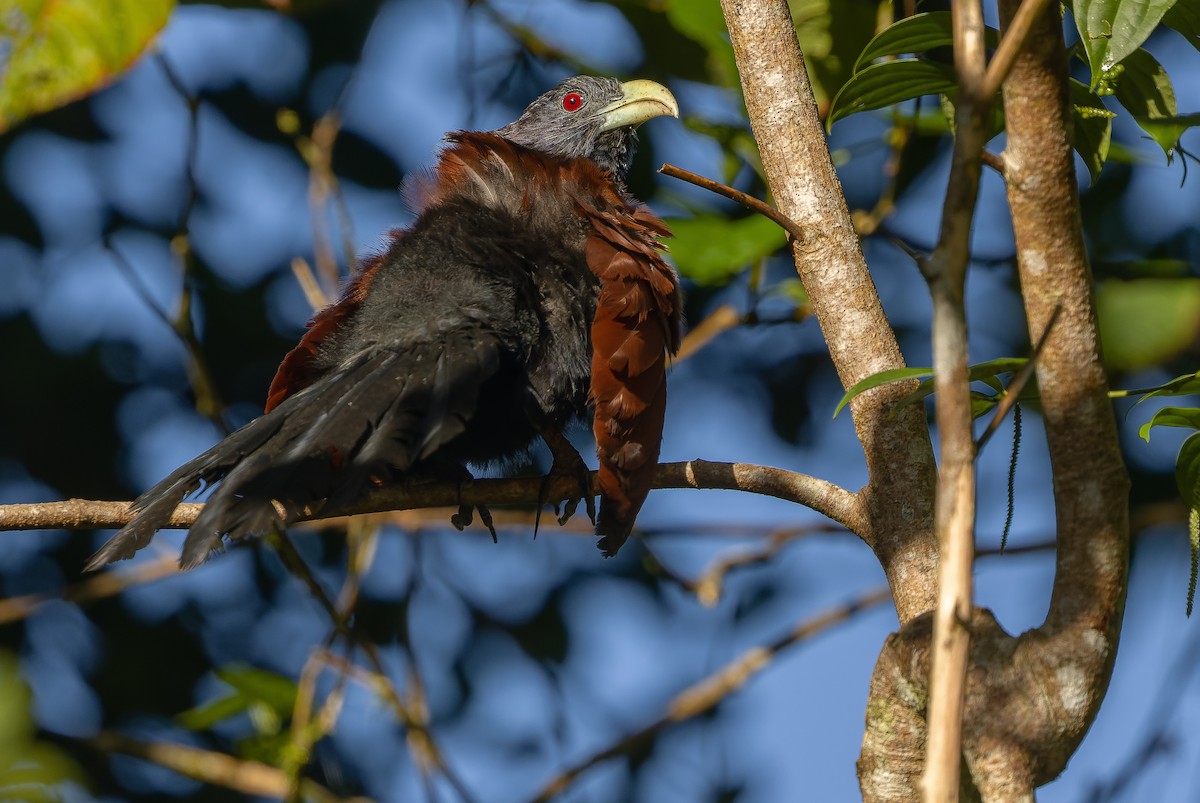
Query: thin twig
208	400
748	201
708	586
219	769
1013	392
709	692
94	587
421	742
954	514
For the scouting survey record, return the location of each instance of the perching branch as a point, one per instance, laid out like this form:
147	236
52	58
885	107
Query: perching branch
824	497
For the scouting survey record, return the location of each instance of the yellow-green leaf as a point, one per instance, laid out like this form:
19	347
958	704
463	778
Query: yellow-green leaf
711	249
55	51
1185	417
1146	321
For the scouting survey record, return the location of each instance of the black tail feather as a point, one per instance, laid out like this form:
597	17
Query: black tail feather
382	411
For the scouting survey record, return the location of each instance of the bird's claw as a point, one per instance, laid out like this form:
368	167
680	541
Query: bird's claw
466	513
567	463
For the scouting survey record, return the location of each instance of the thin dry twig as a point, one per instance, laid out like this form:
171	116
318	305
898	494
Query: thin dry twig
708	586
709	692
219	769
1013	391
954	513
95	587
749	201
414	718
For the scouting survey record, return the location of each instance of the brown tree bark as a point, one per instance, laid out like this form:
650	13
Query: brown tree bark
1028	700
898	498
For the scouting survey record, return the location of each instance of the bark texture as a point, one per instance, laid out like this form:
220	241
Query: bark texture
898	499
1031	699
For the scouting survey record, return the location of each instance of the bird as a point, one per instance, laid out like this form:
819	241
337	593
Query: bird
530	287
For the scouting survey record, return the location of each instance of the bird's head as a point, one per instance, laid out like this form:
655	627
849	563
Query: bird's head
592	117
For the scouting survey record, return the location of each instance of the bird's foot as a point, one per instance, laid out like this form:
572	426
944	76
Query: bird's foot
466	513
567	463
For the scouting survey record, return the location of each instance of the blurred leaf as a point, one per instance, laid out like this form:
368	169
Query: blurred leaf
982	404
16	725
268	697
881	378
702	22
916	34
1146	321
29	770
1185	417
791	289
1143	268
710	249
203	717
832	33
1184	17
275	690
888	83
667	51
271	749
57	52
1145	90
1093	127
1110	30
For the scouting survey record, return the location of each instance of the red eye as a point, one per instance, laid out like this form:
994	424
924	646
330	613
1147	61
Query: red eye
572	101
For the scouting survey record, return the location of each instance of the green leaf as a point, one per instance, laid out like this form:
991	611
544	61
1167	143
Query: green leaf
1112	29
881	378
710	249
1184	385
1146	321
832	33
983	372
1145	90
1184	17
888	83
276	691
916	34
52	53
203	717
1187	471
264	695
1093	127
29	770
1169	129
982	404
1186	417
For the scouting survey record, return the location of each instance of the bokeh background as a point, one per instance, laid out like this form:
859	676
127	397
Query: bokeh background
533	654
